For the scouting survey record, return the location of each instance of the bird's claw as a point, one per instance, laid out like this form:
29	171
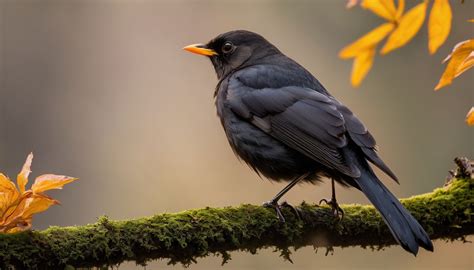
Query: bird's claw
278	207
293	209
336	210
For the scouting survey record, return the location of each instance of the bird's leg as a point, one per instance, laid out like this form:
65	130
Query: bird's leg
336	210
273	203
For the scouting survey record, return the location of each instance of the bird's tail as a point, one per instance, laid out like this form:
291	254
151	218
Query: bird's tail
404	227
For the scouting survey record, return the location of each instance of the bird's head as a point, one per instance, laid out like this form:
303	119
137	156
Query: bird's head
234	50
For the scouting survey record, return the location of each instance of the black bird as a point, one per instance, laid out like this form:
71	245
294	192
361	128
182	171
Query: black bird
284	124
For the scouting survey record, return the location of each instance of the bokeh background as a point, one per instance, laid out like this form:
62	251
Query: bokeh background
101	90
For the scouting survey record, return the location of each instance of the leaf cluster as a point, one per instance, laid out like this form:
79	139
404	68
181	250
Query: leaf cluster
18	205
401	27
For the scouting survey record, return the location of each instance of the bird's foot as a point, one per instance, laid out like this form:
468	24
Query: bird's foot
278	207
292	208
335	208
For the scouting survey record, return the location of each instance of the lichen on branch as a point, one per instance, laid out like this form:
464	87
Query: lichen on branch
445	213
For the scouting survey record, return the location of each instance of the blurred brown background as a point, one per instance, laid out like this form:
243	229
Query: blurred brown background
101	90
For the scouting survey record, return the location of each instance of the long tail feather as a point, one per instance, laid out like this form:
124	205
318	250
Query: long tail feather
404	227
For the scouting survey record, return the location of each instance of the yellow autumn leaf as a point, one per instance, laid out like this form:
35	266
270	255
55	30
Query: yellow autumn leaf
20	226
409	25
461	53
22	178
18	205
37	203
13	214
5	183
362	64
465	65
21	217
383	8
50	181
368	40
8	193
439	24
400	9
455	48
470	117
16	226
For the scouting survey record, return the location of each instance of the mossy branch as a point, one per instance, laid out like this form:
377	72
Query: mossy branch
183	237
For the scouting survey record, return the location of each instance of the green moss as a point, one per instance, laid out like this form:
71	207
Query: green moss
183	237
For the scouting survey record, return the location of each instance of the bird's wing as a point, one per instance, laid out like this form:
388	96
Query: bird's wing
301	118
362	137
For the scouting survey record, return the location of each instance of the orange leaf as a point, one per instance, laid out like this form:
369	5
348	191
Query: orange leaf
457	46
383	8
37	203
50	181
439	24
21	215
8	194
14	212
17	205
461	53
400	9
465	65
6	183
470	117
21	218
21	225
22	178
368	40
362	64
409	25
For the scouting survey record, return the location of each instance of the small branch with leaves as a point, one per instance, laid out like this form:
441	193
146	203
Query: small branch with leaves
18	205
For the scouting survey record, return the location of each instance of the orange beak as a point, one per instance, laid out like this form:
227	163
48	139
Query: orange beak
200	49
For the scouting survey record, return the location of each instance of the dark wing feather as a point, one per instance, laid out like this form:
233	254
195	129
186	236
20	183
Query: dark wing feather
362	137
301	118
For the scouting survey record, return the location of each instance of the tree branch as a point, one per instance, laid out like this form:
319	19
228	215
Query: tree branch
445	213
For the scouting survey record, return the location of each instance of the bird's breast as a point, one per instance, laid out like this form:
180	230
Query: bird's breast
259	150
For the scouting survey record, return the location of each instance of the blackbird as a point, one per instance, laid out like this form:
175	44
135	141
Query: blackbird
285	125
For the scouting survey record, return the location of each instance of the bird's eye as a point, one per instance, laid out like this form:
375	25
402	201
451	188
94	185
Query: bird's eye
228	47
